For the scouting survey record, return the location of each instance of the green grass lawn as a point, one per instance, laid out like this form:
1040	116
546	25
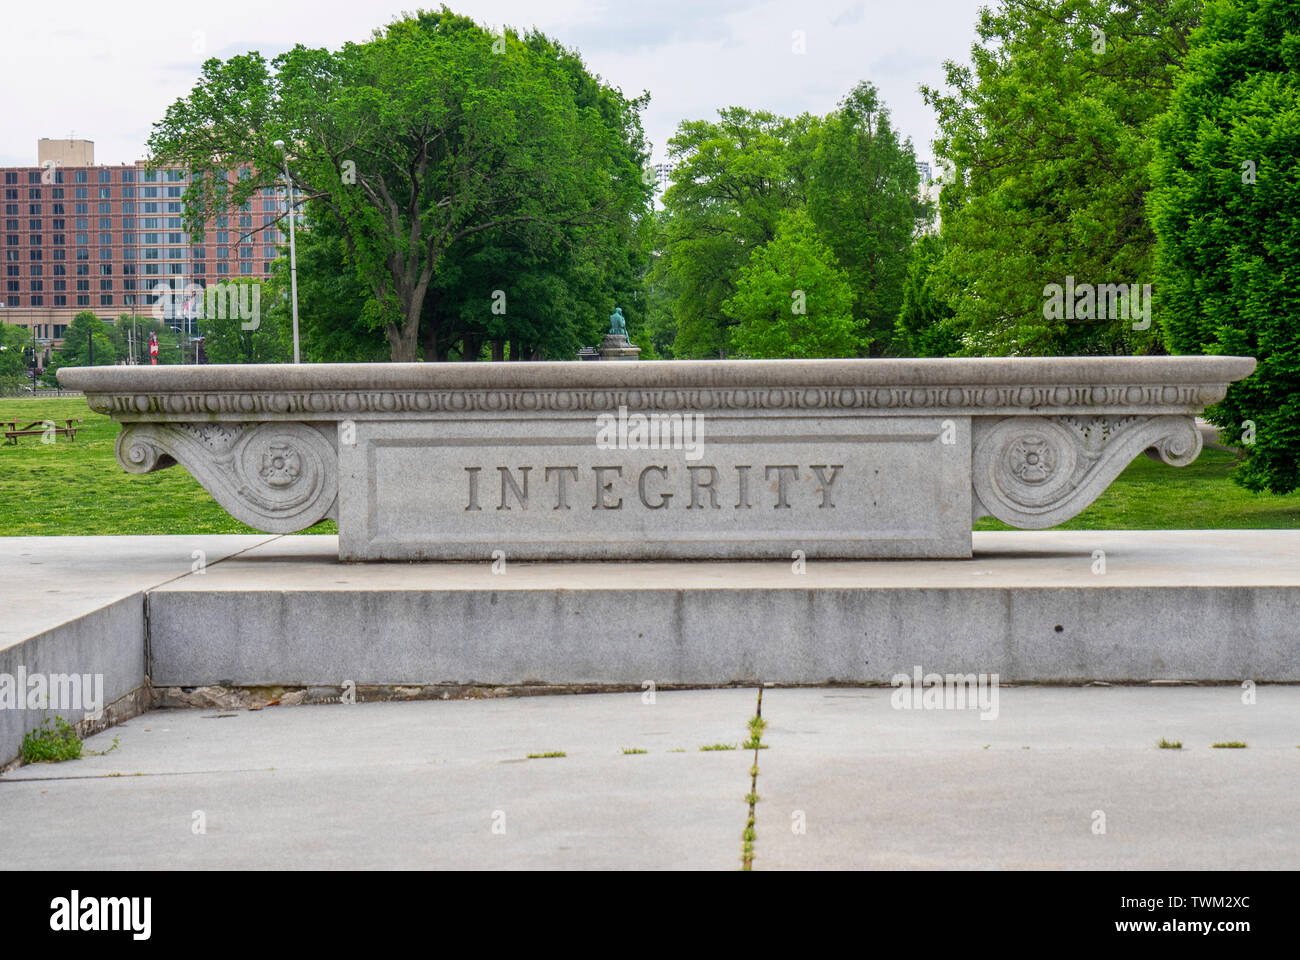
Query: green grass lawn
77	488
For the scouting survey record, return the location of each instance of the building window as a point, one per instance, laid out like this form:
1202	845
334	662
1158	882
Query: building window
38	301
83	300
128	193
60	285
105	193
128	176
59	301
106	283
80	193
81	209
105	299
105	176
79	177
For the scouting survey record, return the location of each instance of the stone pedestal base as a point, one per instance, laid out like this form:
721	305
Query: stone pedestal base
618	348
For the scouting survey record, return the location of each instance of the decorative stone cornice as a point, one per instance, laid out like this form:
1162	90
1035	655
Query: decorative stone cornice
863	457
1039	385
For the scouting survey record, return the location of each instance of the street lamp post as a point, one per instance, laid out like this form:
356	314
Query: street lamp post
293	252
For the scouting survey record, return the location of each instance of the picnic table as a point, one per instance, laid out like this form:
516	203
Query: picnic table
38	428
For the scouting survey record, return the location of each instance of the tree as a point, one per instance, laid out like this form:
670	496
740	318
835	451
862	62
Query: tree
15	341
230	336
924	325
77	338
411	145
339	320
1226	210
732	180
792	299
862	195
1048	134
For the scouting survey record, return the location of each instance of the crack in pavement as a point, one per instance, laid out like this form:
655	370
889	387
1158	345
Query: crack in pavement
755	737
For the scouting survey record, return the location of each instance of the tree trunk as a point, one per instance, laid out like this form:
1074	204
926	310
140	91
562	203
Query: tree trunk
498	350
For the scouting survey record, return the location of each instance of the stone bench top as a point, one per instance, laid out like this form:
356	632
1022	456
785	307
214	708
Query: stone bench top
974	371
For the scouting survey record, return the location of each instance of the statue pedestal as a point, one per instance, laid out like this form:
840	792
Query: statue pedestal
617	347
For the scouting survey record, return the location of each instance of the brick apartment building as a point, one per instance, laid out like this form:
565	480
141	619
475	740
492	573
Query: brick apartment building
81	236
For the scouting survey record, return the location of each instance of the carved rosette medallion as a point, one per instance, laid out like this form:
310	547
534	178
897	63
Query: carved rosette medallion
279	477
1035	472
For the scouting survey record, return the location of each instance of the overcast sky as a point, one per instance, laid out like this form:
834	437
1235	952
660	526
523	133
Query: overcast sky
107	71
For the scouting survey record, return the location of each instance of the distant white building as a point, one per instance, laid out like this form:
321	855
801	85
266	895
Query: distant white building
663	174
923	170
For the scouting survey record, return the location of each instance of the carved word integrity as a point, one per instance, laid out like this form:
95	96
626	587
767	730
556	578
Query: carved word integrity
654	487
655	431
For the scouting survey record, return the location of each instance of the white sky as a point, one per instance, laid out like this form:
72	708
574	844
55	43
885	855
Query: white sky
107	71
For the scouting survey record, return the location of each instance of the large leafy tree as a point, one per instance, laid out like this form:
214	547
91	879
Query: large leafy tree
732	180
1226	209
862	194
1048	133
412	145
924	325
267	337
84	330
15	341
792	299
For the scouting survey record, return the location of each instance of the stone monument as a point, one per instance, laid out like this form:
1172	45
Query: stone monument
616	345
702	459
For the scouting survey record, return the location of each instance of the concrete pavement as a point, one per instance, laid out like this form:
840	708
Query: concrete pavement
847	781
